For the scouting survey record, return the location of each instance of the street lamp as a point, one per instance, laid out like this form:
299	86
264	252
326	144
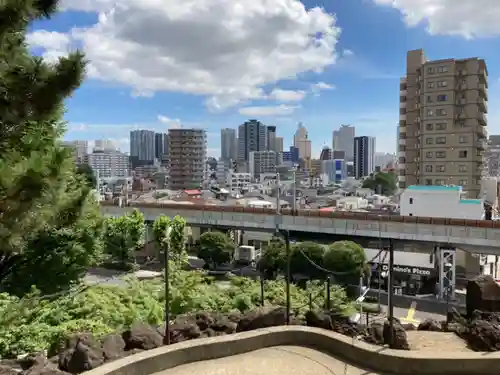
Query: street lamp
166	245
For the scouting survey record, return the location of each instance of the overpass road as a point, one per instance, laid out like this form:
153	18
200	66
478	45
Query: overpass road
276	360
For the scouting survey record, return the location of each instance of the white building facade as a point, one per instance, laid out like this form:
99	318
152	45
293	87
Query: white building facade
108	163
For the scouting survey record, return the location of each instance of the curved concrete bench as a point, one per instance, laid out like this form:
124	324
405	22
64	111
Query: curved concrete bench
360	354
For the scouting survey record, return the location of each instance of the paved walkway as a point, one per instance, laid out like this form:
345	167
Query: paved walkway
277	360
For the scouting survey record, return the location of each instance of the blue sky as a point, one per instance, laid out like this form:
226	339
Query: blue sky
215	63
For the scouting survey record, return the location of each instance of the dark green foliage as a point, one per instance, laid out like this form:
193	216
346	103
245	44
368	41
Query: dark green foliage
299	264
346	258
87	172
215	248
49	225
273	258
385	183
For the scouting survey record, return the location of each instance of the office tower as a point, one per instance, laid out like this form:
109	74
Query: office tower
228	144
104	144
442	127
252	136
260	162
301	141
384	160
187	154
161	145
364	156
271	138
335	169
326	153
343	140
107	162
142	147
278	144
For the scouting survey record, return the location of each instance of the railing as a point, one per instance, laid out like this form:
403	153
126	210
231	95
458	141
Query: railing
345	215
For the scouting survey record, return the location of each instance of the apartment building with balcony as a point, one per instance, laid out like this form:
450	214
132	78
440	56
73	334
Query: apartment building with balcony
187	154
442	124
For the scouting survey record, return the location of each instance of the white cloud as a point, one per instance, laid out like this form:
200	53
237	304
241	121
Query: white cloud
222	49
281	110
55	44
347	53
321	86
171	123
466	18
287	95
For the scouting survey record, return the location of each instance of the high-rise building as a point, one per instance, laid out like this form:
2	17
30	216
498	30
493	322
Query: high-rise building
107	162
343	140
161	145
104	144
301	141
142	147
228	144
80	149
442	127
364	156
187	155
278	144
252	136
326	153
271	138
493	156
260	162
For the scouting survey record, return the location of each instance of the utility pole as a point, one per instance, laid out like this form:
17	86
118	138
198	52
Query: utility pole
294	195
166	245
390	294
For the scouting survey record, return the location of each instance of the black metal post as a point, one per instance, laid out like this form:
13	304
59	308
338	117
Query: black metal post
166	339
328	296
262	289
390	293
288	276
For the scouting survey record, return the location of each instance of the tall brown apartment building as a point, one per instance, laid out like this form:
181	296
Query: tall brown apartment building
187	156
442	124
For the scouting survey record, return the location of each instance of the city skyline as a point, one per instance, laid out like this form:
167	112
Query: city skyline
352	77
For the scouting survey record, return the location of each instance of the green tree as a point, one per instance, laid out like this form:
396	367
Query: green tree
39	190
382	183
273	258
170	235
302	253
215	248
348	259
86	171
123	237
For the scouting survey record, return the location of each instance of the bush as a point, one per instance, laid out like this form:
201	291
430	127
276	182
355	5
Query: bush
32	323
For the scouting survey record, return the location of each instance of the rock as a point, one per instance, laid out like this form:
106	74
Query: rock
396	337
185	327
44	370
319	319
375	334
482	336
113	347
221	323
261	318
483	293
204	320
80	352
430	325
142	336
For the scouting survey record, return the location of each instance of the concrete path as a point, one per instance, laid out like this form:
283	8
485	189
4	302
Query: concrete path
277	360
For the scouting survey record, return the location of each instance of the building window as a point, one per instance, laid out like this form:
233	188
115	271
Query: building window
462	168
442	83
428	168
440	112
430	112
429	126
463	182
411	200
428	182
462	154
463	139
428	154
441	126
439	168
439	182
430	85
440	154
443	69
430	70
441	140
429	99
429	141
442	98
